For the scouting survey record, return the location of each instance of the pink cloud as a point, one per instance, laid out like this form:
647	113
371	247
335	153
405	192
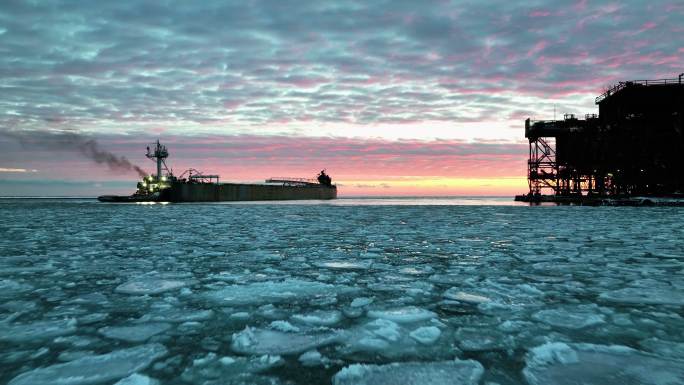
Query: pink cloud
538	47
539	14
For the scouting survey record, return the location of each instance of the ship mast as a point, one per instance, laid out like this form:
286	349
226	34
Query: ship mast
159	153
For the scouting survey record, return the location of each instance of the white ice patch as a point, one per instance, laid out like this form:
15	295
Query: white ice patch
319	317
412	373
455	294
361	302
149	286
345	265
36	331
265	292
407	314
135	333
94	369
426	335
283	326
223	369
568	364
178	315
311	358
260	341
137	379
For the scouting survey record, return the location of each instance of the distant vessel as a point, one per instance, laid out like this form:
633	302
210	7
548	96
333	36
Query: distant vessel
194	186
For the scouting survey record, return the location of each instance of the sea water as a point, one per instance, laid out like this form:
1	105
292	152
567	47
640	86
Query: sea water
352	291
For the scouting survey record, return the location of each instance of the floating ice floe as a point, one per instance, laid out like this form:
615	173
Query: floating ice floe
311	358
36	331
149	286
226	368
345	265
456	294
178	315
570	317
426	335
94	369
389	339
407	314
261	341
135	333
568	364
412	373
265	292
283	326
137	379
645	295
361	302
319	317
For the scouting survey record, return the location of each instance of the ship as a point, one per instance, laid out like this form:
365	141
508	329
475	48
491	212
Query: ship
196	186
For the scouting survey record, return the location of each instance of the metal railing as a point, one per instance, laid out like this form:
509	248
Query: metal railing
292	181
622	85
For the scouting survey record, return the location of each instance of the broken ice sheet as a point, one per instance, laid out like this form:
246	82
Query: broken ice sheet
569	364
94	369
412	373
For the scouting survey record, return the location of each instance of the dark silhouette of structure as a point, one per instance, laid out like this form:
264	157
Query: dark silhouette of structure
633	147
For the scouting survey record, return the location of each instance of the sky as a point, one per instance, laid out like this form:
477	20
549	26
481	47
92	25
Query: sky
391	97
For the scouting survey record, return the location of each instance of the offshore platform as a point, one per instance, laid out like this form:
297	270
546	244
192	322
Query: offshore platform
632	152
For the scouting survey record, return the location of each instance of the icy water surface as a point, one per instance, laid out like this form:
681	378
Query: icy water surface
355	292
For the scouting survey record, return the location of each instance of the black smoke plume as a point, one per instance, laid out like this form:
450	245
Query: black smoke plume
70	141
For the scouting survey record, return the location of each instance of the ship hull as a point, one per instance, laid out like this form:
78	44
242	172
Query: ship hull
227	192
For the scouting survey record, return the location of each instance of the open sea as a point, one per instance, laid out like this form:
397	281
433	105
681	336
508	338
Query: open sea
382	291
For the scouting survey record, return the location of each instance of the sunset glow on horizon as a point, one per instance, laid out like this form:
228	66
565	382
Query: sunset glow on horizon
391	98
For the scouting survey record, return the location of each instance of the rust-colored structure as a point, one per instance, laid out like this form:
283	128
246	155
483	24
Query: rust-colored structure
633	147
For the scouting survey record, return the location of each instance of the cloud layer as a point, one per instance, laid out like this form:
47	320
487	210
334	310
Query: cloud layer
247	66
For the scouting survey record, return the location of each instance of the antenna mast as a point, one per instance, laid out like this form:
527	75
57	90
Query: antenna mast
159	153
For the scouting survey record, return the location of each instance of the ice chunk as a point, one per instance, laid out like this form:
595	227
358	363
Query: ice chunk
559	363
265	292
94	369
36	331
412	373
149	286
260	341
211	367
179	315
319	317
136	333
407	314
283	326
569	318
645	295
426	335
345	265
137	379
311	358
384	328
455	294
361	302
